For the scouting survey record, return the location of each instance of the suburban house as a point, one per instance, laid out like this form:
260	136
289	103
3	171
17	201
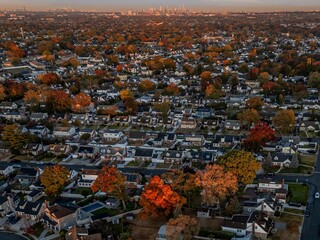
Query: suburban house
38	116
277	187
59	149
27	176
34	149
172	156
188	124
257	223
64	132
4	206
6	170
112	136
31	207
143	154
282	159
58	217
88	176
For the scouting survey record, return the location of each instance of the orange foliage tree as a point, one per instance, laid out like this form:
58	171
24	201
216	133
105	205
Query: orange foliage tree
32	97
125	94
158	198
172	89
49	78
111	181
80	102
248	117
146	85
58	101
216	184
255	103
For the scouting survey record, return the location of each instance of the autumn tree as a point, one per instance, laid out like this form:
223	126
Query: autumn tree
206	79
14	90
32	97
2	92
233	206
146	85
131	105
53	179
314	80
163	108
182	227
80	102
159	198
248	117
14	138
183	183
212	92
240	163
284	121
49	78
126	94
172	89
259	135
111	110
58	101
216	184
254	103
111	181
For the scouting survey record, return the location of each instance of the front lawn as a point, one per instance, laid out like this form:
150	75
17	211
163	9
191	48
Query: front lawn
298	193
133	164
293	210
309	160
300	169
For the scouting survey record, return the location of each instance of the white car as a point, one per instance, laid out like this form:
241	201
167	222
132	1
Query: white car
317	195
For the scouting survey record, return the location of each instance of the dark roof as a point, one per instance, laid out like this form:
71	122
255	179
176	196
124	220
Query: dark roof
31	208
60	211
143	152
138	135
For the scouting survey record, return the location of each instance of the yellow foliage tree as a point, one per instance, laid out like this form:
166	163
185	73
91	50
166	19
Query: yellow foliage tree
53	179
240	163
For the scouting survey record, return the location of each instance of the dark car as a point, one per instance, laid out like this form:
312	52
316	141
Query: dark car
307	212
15	161
294	204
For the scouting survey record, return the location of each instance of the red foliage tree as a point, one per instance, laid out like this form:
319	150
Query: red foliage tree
259	135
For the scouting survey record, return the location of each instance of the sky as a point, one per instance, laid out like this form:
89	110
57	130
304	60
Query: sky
212	5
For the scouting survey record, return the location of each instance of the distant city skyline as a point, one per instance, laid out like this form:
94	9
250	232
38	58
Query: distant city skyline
208	5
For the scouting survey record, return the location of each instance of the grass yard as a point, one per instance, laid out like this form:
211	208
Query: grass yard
163	165
292	210
309	160
300	169
133	164
287	217
298	193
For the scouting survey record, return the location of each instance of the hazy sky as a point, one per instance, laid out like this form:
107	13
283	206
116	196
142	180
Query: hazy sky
138	4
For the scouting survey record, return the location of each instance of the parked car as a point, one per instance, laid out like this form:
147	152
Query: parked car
294	204
307	212
317	195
